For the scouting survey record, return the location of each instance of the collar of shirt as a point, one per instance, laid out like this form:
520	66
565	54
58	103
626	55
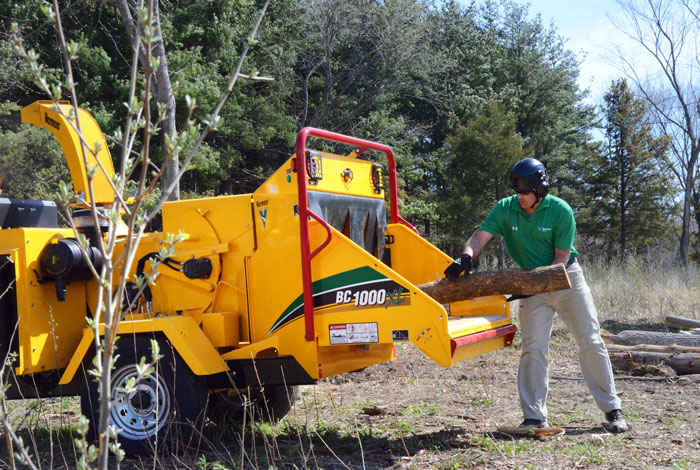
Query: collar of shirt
515	205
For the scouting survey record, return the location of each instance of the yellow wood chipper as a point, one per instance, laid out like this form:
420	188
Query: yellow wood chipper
304	279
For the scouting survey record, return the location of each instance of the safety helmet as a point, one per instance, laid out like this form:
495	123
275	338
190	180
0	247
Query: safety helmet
529	175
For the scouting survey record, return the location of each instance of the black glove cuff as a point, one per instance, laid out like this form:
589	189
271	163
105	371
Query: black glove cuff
465	259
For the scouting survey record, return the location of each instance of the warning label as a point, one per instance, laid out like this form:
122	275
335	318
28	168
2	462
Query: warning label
350	333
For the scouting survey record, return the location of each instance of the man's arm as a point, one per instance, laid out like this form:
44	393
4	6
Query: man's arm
477	242
561	256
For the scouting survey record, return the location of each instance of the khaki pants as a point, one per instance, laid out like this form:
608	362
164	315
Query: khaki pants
576	309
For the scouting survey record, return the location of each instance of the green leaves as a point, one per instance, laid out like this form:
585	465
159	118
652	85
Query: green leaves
629	191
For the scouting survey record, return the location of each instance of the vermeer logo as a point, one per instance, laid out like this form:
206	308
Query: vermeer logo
544	229
55	124
263	216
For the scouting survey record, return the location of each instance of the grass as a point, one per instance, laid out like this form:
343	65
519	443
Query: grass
431	422
644	290
421	409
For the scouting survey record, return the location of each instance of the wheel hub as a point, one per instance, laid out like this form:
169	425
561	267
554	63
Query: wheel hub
143	411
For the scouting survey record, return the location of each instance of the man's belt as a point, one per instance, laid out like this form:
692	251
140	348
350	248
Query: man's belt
571	261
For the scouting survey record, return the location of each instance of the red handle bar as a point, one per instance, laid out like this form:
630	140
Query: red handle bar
305	212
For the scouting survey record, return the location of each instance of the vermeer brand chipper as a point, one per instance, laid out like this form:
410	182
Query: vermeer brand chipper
300	280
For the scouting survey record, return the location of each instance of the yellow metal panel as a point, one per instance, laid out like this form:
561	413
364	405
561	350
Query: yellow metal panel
490	303
477	349
463	326
187	339
251	351
48	330
407	247
221	328
78	355
346	175
334	360
221	229
183	333
42	114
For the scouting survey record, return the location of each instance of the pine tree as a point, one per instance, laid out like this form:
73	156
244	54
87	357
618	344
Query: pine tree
630	190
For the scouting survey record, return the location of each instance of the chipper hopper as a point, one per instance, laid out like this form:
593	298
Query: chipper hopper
303	279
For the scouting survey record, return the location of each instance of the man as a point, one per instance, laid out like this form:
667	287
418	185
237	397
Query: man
539	229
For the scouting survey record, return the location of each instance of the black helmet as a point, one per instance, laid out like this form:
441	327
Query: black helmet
529	175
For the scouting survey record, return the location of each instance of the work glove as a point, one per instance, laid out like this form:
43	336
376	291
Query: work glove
463	264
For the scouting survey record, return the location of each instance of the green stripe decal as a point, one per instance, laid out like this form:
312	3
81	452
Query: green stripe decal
361	275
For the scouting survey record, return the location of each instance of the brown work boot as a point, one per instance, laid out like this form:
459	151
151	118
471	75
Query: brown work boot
616	423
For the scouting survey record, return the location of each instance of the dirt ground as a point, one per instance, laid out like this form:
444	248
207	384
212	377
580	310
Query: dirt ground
411	413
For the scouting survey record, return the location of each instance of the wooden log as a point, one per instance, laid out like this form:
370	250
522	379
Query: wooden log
632	337
508	281
682	322
655	348
683	364
530	432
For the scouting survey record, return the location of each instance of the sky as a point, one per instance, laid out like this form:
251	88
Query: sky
590	31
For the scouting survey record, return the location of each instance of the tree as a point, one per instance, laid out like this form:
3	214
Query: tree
481	154
31	161
202	41
162	88
667	31
129	220
630	192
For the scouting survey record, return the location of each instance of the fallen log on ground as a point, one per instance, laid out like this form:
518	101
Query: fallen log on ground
682	322
655	348
633	337
508	281
682	364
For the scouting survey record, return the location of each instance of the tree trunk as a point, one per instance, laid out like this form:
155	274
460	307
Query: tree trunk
632	337
682	322
510	281
162	91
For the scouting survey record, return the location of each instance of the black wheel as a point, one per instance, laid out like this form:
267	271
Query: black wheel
269	403
163	408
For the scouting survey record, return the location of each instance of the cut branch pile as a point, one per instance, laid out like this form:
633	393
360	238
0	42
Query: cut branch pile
656	353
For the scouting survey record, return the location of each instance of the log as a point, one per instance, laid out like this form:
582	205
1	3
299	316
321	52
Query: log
655	348
530	432
683	364
682	322
633	337
508	281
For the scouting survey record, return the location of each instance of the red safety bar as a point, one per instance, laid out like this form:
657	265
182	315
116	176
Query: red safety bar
508	331
304	211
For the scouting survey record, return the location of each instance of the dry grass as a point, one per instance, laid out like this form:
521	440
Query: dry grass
642	291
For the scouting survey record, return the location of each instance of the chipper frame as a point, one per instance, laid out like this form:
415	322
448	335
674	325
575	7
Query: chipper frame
303	279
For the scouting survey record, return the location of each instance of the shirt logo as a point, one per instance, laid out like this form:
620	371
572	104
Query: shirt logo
544	229
514	228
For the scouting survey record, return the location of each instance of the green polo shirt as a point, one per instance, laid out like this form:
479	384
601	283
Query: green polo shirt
531	240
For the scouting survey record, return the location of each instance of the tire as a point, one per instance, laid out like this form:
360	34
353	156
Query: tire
162	410
269	404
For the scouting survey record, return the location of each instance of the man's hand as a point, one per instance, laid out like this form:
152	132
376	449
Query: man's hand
463	264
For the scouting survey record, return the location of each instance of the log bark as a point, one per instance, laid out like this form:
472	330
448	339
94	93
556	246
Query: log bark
509	281
655	348
682	322
683	364
633	337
